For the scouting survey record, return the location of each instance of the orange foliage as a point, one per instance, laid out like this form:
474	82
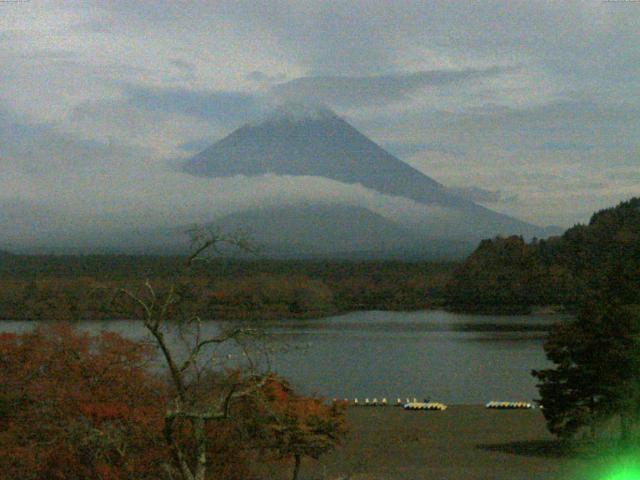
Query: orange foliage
77	406
296	426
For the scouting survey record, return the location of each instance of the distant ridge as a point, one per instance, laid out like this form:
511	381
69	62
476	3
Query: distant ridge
336	231
319	228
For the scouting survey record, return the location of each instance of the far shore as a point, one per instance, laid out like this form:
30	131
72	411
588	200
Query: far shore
276	315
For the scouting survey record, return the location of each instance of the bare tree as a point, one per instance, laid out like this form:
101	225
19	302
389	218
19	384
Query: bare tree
211	240
192	365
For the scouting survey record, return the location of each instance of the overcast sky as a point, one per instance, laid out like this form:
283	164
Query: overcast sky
531	107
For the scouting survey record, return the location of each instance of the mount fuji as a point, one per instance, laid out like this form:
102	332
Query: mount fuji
298	140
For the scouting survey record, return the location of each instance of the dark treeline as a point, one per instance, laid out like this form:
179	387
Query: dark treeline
508	274
81	287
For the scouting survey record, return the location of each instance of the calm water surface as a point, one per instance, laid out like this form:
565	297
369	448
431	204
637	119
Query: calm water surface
453	358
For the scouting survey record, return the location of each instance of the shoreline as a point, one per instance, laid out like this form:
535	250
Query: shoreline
276	316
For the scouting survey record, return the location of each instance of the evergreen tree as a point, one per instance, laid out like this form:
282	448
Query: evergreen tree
597	369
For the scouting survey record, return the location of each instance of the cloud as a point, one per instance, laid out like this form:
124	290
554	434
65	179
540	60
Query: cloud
262	78
588	149
482	195
183	65
535	185
42	150
102	207
59	190
378	89
409	149
575	43
195	146
226	107
559	146
324	38
541	99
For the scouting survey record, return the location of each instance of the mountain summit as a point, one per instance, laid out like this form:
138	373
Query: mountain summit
298	140
301	140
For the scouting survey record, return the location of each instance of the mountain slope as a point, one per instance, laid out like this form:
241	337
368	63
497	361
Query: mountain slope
300	141
319	228
336	230
316	143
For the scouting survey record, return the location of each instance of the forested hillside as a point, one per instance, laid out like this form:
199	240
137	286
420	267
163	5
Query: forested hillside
508	274
81	287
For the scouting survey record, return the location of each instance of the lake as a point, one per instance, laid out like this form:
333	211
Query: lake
448	357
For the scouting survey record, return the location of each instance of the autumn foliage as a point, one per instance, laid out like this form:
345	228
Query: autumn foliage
69	288
77	406
294	426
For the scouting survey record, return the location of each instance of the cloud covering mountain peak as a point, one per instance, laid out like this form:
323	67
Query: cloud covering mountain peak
295	112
